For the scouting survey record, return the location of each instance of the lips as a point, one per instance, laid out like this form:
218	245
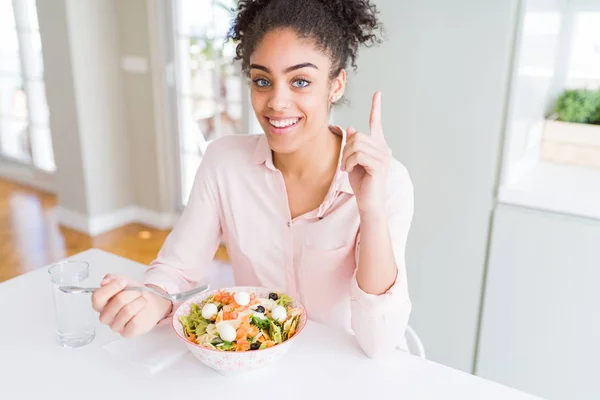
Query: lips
283	123
282	126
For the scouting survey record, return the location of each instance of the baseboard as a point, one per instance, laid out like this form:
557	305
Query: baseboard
155	219
27	176
72	219
94	226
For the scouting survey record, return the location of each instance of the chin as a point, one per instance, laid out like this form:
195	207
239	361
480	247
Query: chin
282	145
283	140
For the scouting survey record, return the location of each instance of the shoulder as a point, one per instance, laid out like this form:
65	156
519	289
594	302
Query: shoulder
230	150
233	145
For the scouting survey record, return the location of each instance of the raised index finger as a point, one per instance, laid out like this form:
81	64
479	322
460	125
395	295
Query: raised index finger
375	118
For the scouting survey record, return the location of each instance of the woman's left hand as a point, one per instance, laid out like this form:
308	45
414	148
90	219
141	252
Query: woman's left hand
366	158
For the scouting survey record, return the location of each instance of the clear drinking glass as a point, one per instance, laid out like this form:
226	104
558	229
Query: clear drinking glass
75	318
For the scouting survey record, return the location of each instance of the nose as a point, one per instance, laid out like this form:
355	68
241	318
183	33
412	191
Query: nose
280	100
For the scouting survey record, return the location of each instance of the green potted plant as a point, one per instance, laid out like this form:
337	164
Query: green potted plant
572	132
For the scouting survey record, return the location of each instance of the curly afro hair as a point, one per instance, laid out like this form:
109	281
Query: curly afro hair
338	27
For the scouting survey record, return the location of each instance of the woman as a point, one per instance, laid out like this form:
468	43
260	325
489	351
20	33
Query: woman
318	212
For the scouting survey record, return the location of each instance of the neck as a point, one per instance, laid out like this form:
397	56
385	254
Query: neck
313	159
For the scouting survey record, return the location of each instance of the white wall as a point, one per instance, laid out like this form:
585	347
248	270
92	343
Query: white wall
60	92
106	139
100	105
541	320
444	84
132	17
84	92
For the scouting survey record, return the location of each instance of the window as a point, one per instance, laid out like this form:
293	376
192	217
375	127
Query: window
211	96
24	118
552	162
584	65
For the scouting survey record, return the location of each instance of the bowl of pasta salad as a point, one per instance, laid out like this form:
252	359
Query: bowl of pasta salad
239	329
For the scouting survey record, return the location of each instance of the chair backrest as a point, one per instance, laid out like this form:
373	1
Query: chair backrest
415	346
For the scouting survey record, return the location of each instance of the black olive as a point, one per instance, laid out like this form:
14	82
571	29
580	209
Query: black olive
260	309
273	296
255	346
217	340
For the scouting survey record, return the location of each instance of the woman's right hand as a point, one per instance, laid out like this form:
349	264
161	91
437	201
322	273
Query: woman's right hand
129	313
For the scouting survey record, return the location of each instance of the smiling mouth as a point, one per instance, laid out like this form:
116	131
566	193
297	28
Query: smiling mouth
283	123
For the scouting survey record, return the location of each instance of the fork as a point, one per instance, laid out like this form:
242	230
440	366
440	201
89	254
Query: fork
169	296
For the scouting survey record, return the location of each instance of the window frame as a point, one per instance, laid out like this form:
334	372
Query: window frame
28	172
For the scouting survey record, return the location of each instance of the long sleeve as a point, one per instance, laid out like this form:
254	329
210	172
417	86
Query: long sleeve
190	247
379	321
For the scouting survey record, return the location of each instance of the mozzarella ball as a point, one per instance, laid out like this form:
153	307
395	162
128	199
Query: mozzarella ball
227	332
209	310
279	314
242	298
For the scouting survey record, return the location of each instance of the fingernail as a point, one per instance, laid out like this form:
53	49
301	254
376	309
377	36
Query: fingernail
123	282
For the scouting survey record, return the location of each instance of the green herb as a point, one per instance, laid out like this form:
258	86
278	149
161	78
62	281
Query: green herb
227	346
260	323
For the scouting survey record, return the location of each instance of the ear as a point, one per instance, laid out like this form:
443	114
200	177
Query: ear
337	87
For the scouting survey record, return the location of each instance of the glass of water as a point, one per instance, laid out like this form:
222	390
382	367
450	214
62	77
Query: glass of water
75	318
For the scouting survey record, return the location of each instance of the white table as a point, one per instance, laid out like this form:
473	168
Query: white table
32	364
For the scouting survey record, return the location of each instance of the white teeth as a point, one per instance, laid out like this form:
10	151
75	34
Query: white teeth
282	123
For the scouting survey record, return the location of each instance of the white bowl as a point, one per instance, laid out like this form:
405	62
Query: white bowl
229	362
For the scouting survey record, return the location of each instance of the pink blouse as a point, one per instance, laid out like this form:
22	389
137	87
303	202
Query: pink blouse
239	196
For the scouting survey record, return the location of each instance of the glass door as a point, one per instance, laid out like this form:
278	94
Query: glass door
209	91
25	136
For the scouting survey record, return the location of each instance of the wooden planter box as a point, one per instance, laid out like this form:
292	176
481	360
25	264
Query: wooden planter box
571	143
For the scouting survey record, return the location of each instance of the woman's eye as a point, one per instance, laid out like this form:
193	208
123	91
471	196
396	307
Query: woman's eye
301	83
261	82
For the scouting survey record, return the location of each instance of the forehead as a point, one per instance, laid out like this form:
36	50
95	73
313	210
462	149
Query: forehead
282	48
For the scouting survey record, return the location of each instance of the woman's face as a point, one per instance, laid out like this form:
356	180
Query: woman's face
290	89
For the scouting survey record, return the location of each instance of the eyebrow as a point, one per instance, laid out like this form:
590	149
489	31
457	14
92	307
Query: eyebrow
288	69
